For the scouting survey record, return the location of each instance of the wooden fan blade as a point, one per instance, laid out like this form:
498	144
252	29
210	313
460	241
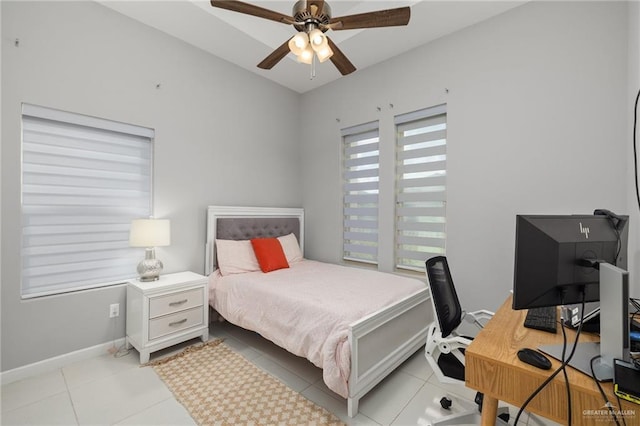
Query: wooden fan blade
317	6
249	9
341	62
381	18
275	57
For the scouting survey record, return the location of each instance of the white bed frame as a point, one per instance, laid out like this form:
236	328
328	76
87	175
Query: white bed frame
379	342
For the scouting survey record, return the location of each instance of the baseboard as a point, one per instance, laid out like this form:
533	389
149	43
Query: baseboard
60	361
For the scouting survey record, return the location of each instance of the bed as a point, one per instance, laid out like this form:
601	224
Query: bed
357	344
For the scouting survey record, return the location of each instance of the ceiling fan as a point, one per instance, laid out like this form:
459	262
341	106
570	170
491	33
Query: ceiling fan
312	18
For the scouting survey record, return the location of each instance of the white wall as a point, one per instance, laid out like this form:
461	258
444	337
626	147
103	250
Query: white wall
537	123
223	136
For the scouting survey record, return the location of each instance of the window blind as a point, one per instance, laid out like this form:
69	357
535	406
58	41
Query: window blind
421	169
360	192
83	180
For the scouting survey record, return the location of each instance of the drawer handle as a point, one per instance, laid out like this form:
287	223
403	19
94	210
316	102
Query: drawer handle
173	324
179	302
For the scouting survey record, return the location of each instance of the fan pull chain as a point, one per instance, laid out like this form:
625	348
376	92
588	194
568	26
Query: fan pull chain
313	67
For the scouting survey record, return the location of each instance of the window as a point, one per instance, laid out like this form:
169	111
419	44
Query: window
360	183
83	180
421	169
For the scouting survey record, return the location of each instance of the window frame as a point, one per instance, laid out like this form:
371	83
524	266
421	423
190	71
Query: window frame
47	254
360	223
420	209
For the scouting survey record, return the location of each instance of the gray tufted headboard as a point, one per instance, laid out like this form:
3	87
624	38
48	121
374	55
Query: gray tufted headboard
243	223
245	228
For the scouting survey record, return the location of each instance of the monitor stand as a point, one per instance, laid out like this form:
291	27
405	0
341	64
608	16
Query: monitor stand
614	328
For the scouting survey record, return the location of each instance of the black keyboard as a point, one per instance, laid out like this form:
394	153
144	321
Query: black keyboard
544	319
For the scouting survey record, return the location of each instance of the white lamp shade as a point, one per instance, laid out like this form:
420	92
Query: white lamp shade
317	39
306	57
298	43
324	53
150	233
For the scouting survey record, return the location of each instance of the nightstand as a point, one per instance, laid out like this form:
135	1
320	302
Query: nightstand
165	312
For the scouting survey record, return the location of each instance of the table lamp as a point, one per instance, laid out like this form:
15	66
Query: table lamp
150	233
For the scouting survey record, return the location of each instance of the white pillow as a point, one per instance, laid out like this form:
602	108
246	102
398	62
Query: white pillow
236	257
291	248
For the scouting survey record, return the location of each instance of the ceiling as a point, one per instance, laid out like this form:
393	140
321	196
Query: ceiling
245	40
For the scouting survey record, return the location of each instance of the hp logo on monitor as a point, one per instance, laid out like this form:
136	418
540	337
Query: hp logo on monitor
584	230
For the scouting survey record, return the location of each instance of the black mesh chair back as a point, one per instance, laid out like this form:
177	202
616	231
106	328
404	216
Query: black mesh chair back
445	298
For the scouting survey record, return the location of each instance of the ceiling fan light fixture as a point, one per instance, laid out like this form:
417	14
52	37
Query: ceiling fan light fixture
324	53
298	43
306	57
317	39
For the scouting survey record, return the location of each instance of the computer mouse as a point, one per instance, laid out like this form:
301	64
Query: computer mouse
535	358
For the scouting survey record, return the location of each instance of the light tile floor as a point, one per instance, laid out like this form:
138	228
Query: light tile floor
115	391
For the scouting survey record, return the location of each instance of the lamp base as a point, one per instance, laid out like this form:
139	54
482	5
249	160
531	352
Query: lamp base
149	269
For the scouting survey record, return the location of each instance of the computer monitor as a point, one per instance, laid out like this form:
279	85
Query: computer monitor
557	256
569	259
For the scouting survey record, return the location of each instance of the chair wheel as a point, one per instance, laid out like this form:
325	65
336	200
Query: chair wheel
445	403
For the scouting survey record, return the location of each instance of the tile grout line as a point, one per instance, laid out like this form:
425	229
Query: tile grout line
404	407
73	406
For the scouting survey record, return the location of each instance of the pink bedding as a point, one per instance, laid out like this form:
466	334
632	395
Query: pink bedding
307	308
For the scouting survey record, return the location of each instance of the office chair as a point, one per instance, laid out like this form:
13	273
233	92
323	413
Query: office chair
445	347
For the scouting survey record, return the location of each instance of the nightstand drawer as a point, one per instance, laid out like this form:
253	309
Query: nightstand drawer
175	302
162	326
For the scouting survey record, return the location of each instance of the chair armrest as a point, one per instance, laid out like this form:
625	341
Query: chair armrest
481	314
452	342
477	316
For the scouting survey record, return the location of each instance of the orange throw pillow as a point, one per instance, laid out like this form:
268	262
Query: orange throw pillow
269	253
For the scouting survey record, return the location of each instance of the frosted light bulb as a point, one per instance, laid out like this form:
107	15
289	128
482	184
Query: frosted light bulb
317	38
298	43
306	57
324	53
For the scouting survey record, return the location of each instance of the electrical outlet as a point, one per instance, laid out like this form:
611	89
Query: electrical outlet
114	310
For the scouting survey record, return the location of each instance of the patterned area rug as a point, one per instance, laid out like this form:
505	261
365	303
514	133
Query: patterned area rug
219	387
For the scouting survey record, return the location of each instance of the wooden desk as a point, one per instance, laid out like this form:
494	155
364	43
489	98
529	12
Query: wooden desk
493	368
